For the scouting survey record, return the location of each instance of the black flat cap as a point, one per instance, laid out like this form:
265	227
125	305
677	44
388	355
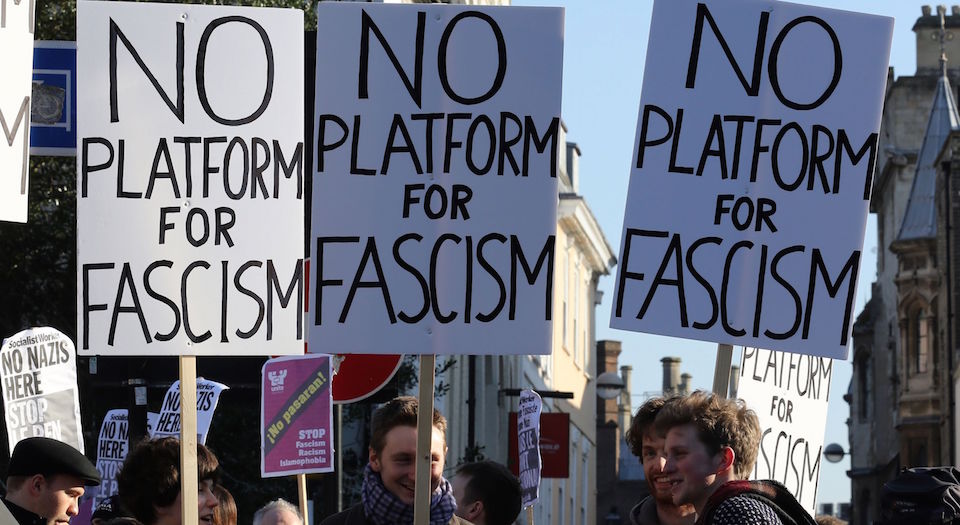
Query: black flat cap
40	455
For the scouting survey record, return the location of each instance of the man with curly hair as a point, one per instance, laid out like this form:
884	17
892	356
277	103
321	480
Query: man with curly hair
658	507
149	482
711	445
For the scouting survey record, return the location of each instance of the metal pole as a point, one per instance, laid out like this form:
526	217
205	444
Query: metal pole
721	373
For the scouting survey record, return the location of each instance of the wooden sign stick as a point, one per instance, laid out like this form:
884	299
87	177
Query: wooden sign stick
189	486
302	494
421	497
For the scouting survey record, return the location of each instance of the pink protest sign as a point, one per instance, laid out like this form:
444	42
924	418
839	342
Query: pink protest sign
296	416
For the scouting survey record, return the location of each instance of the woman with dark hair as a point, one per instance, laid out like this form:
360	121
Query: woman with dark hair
149	482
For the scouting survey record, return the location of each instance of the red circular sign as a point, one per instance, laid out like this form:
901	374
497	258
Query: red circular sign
362	375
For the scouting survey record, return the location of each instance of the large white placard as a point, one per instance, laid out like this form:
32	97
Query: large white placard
435	190
751	175
190	180
38	369
789	393
16	81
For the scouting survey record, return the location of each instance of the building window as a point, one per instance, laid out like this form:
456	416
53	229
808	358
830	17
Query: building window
576	316
918	347
863	385
918	452
565	278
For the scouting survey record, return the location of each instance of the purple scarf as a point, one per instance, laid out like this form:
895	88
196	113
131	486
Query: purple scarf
383	508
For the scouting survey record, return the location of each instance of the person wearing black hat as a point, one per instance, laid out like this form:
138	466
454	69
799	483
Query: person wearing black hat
45	481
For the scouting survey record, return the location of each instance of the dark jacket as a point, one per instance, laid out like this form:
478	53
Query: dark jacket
645	512
355	516
22	515
723	504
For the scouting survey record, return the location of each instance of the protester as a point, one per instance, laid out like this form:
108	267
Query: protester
226	511
107	510
123	520
824	519
658	507
149	482
278	512
711	446
387	492
45	480
487	493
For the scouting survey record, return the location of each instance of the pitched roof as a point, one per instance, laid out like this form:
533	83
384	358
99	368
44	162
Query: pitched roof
919	220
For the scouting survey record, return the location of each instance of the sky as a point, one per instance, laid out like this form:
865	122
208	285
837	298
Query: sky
604	49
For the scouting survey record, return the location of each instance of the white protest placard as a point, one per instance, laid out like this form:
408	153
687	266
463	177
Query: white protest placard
751	175
789	393
435	193
112	449
16	41
528	442
167	422
38	368
190	180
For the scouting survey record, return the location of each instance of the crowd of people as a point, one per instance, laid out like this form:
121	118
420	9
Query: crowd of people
697	453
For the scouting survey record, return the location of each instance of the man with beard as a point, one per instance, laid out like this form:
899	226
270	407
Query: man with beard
711	445
658	507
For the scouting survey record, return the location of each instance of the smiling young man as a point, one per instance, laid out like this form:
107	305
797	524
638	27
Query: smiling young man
658	507
149	482
387	493
711	445
45	480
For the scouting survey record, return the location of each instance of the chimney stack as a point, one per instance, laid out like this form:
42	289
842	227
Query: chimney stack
671	375
734	381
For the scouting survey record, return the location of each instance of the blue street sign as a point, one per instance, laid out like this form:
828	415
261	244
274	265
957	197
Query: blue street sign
53	111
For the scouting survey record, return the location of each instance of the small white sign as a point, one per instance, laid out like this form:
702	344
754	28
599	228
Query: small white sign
751	174
528	443
435	192
38	368
789	393
190	180
112	448
167	422
16	41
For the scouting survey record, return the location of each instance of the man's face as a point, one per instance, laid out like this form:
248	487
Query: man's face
690	467
279	517
465	509
396	463
58	500
653	457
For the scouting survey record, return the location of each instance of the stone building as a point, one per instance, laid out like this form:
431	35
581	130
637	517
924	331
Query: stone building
901	409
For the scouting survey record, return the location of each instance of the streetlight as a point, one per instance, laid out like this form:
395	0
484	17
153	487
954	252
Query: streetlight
609	385
834	453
